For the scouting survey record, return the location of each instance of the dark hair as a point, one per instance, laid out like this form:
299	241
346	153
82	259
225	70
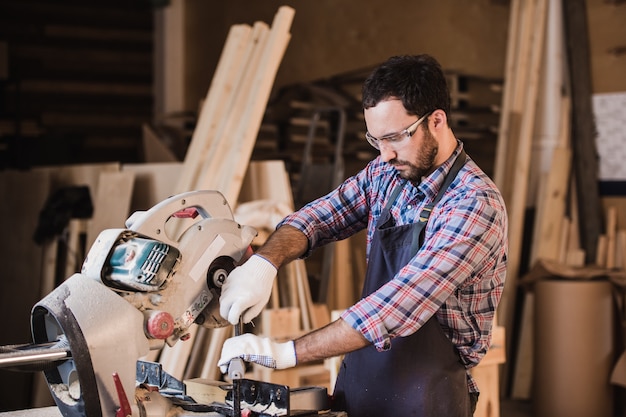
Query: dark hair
417	80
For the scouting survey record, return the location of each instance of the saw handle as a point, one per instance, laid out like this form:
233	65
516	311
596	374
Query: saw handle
236	371
236	367
207	203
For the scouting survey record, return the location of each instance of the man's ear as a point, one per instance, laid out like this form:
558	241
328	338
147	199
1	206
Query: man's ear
438	119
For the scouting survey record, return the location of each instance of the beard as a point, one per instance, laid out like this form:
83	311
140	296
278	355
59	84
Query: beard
424	160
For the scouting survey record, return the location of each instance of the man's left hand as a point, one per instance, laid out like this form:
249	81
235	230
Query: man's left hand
260	350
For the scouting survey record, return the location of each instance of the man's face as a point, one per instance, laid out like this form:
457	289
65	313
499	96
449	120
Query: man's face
412	155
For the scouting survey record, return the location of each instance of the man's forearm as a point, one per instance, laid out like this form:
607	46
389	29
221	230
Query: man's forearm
337	338
284	245
334	339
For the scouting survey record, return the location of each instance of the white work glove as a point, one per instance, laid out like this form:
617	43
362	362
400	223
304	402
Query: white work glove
261	350
247	289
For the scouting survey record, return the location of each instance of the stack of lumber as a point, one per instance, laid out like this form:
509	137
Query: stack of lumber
232	112
542	160
222	142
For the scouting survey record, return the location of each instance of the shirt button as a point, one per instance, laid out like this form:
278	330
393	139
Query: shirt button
386	342
409	207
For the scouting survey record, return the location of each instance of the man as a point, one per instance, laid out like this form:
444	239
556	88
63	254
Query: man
436	260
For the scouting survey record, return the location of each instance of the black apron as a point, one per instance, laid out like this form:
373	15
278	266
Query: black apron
422	374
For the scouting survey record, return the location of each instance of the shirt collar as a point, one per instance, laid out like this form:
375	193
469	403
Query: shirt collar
431	184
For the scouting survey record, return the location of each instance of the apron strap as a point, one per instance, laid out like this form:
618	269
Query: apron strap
456	167
393	196
428	208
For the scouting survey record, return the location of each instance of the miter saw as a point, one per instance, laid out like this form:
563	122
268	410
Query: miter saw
140	288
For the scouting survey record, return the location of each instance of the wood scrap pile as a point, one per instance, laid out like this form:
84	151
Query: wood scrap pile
546	163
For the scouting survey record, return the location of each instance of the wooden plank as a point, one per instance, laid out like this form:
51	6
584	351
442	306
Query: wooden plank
487	375
218	100
509	131
308	374
508	94
546	244
281	323
112	203
197	353
225	139
267	180
288	287
229	174
497	350
216	339
546	239
320	315
205	391
611	230
619	202
488	380
620	250
563	242
583	126
620	257
601	251
342	294
304	293
520	21
520	169
552	203
576	257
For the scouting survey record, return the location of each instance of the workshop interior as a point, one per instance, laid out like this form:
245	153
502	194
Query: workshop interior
148	147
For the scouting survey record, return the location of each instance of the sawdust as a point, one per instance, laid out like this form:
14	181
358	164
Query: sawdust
62	392
271	410
74	390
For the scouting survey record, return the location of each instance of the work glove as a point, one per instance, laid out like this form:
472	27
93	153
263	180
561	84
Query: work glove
247	290
260	350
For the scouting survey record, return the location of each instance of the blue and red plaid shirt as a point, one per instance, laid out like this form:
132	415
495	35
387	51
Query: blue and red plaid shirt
458	274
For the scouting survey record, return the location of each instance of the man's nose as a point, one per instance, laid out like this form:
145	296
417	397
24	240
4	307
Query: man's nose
387	153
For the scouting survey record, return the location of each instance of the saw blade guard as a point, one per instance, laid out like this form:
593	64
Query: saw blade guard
100	329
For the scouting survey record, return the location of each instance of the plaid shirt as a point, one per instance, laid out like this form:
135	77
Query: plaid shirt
458	275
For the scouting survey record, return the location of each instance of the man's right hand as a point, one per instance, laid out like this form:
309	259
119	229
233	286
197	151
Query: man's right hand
247	290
